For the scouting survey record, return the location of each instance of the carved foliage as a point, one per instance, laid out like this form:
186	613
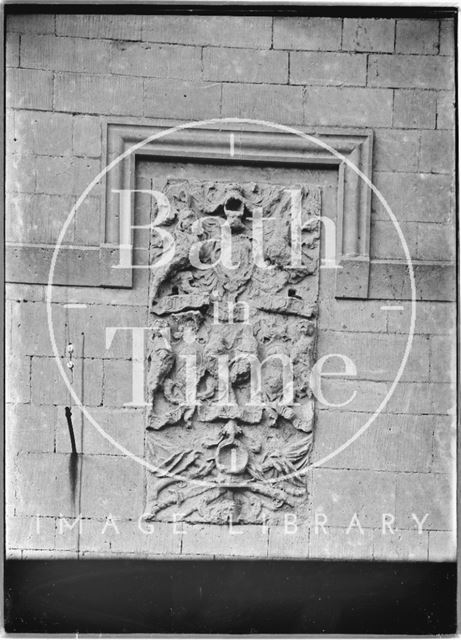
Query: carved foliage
234	306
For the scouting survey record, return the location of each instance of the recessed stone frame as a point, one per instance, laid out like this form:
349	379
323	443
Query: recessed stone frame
359	277
269	147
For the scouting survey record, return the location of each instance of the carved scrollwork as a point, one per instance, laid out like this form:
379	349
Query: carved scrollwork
234	326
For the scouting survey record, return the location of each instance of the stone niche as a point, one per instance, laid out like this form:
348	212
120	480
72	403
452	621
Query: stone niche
230	353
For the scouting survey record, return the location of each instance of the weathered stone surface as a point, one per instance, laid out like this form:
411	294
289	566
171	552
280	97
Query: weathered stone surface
417	36
65	54
113	536
401	545
66	175
37	218
435	398
12	50
182	99
236	542
444	445
112	485
435	240
49	388
118	27
421	493
368	35
79	536
338	494
42	133
442	546
29	429
88	381
92	266
443	359
29	533
31	23
263	102
415	197
87	223
240	449
98	94
125	426
447	37
358	395
289	541
17	379
348	107
426	72
435	318
95	323
224	31
396	150
338	542
350	315
154	61
9	130
433	281
325	68
386	243
245	65
408	397
20	174
376	357
393	443
415	109
45	554
37	293
437	151
314	34
146	539
29	89
86	136
43	485
117	382
445	110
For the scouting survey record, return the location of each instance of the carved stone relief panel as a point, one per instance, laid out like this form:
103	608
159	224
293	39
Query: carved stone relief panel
233	316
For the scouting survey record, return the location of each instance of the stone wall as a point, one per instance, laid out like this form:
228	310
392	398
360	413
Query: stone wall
66	76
